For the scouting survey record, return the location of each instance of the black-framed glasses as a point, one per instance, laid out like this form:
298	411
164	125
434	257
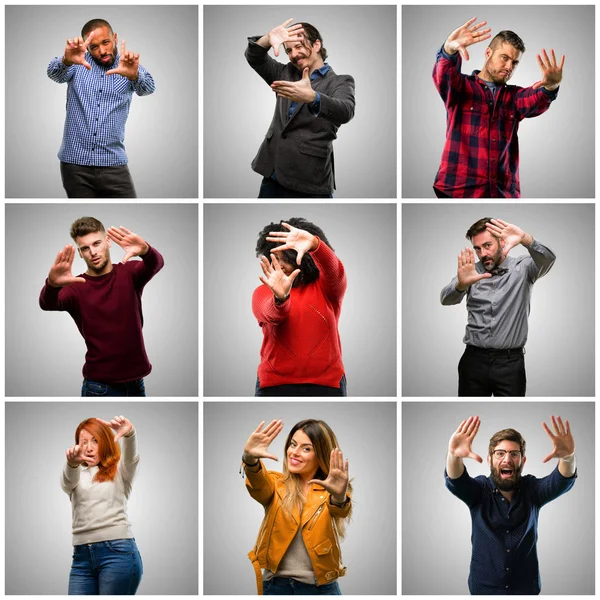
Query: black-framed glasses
500	454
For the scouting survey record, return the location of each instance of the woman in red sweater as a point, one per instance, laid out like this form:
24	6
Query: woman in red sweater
298	308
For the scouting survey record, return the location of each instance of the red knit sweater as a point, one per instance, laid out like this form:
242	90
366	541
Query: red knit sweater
301	341
108	313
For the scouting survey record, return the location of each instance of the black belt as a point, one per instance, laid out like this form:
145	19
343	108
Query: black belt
495	351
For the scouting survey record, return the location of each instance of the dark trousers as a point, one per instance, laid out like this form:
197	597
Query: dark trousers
301	389
97	182
129	388
269	188
484	372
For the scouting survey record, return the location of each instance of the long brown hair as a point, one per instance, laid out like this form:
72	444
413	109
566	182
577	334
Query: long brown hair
109	451
324	441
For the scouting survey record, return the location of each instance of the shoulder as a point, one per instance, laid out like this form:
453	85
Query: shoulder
332	76
262	291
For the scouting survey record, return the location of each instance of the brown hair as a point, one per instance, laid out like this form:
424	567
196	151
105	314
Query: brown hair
311	35
84	226
109	451
511	435
478	227
507	36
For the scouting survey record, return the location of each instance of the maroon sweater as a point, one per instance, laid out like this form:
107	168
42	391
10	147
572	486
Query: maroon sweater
301	341
108	313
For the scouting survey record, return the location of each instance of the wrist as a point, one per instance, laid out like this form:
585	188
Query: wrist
568	459
279	301
459	287
145	250
448	50
53	285
130	433
339	500
527	240
551	88
249	460
73	466
66	62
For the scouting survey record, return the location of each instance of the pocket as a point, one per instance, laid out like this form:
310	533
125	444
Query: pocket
314	150
323	548
121	546
93	388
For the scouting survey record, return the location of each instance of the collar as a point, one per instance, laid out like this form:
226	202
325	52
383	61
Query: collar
322	72
502	269
475	74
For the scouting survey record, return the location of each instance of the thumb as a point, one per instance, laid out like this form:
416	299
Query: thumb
127	256
536	85
485	275
271	456
112	72
305	73
78	280
276	50
476	457
87	65
294	275
549	457
464	52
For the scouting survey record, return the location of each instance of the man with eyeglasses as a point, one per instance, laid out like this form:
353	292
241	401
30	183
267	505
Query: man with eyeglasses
505	506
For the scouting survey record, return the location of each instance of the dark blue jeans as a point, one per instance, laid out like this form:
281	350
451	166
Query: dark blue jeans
301	389
96	388
282	586
106	568
270	188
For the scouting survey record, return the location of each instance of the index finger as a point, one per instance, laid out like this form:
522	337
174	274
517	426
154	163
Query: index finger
470	21
89	37
286	23
547	430
123	47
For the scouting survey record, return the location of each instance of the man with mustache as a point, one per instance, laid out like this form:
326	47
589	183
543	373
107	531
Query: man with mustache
505	506
296	156
498	291
100	83
481	153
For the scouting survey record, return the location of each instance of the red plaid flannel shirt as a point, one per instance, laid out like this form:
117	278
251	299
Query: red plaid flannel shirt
481	154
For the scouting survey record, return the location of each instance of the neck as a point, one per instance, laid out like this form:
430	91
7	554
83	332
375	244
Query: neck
316	65
107	269
483	74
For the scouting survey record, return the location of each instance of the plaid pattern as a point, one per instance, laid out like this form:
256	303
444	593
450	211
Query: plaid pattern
97	110
481	153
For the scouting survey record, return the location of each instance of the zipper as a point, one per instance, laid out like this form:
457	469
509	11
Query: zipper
314	518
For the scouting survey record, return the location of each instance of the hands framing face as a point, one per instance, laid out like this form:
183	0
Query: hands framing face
274	277
466	35
296	91
260	439
60	273
132	243
128	64
551	71
337	479
511	234
75	51
564	444
75	456
462	439
282	34
121	426
294	239
467	273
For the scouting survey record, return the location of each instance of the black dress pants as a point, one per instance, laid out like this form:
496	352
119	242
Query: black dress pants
484	372
97	182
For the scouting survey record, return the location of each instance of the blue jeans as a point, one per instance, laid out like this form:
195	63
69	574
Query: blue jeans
106	568
282	586
130	388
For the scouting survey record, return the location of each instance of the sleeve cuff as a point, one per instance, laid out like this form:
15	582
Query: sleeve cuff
315	106
451	57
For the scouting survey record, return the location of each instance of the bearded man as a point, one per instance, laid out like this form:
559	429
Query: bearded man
505	506
498	291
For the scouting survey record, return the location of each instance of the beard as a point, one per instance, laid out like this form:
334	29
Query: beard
495	74
495	260
109	64
99	267
506	485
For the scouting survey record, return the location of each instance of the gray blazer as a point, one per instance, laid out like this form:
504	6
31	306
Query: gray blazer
300	150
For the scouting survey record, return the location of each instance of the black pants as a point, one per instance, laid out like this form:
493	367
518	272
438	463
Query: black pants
269	188
301	389
96	182
484	372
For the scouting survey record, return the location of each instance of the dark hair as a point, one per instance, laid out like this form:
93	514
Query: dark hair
512	435
93	24
84	226
510	37
478	227
310	271
311	34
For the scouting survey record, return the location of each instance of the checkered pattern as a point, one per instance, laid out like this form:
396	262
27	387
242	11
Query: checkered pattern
97	110
481	154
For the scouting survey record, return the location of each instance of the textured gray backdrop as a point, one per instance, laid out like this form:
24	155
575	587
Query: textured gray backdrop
45	351
162	129
556	148
436	526
364	238
560	346
238	105
162	508
366	432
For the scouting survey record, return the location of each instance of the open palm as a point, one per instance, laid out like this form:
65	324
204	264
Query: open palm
61	271
281	34
460	444
336	482
260	439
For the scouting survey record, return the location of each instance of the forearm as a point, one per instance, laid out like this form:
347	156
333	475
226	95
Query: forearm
266	309
258	58
263	42
338	106
331	271
454	466
58	71
144	84
452	293
50	297
543	258
69	478
567	466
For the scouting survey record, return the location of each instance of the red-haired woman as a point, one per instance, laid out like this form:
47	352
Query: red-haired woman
98	480
306	508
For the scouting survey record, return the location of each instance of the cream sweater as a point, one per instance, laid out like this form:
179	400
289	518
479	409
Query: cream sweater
100	509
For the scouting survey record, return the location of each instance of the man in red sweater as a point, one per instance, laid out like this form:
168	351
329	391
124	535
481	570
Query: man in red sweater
106	305
298	309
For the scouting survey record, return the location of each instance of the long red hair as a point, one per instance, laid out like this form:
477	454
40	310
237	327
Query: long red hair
109	451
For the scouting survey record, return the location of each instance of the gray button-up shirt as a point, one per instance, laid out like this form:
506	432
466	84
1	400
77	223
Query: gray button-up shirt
498	307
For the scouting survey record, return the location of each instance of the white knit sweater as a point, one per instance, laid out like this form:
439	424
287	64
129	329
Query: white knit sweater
100	509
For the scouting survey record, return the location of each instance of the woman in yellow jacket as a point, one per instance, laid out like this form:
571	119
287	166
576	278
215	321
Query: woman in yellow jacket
306	507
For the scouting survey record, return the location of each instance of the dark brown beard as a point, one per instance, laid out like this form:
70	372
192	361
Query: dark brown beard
506	485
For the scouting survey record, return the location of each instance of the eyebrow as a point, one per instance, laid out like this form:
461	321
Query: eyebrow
295	442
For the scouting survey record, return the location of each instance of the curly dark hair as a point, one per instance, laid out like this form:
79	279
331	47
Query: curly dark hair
309	271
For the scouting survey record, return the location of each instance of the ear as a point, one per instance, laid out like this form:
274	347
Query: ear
108	242
524	461
488	52
502	242
489	462
317	46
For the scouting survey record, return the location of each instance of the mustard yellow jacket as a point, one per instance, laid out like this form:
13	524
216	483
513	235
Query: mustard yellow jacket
278	528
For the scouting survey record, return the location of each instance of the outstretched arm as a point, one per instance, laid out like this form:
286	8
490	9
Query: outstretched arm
460	446
564	446
56	295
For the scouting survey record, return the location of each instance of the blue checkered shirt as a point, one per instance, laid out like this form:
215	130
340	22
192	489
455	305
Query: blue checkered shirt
97	109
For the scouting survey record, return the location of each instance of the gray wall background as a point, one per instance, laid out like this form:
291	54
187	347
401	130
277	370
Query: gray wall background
436	526
49	344
366	432
560	347
238	104
162	508
161	137
364	237
556	148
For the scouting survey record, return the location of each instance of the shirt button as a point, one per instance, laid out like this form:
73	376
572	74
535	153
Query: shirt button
493	139
508	568
508	549
507	531
98	105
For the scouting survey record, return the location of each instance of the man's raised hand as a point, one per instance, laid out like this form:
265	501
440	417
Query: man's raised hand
466	35
467	273
274	277
296	91
260	439
75	51
294	239
462	439
132	243
511	234
564	444
282	33
551	71
128	64
60	272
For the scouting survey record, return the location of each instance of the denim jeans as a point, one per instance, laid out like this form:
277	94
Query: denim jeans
301	389
283	586
97	182
113	567
130	388
270	188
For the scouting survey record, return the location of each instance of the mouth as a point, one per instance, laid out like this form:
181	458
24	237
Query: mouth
295	463
506	473
106	58
96	260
